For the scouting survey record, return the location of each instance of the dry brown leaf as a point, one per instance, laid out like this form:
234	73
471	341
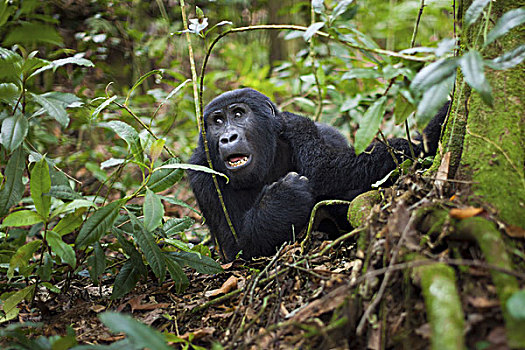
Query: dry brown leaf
229	285
515	231
442	172
199	333
97	308
319	306
482	302
465	213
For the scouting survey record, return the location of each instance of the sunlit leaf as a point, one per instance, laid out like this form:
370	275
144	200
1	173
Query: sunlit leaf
361	73
14	131
60	248
473	70
190	167
312	29
508	59
55	104
509	20
40	186
156	149
475	9
22	218
318	6
79	61
69	223
128	134
9	305
403	109
369	125
98	224
139	335
340	8
153	210
103	105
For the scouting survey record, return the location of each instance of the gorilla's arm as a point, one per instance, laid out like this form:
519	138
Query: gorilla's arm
263	218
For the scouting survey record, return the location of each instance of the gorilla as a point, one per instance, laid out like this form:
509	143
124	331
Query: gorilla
279	165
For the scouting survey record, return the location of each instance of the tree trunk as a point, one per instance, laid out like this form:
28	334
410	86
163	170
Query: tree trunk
487	144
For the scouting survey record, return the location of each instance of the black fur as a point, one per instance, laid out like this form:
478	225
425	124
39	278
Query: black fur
294	163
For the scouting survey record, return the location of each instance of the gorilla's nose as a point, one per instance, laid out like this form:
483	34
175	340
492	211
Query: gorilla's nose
229	138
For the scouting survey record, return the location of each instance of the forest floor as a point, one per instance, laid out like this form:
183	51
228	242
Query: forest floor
361	292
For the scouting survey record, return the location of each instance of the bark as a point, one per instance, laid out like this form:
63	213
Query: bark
487	144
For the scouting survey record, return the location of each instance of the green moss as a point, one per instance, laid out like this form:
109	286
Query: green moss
360	207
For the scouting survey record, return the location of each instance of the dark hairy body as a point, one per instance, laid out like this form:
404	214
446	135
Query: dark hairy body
279	165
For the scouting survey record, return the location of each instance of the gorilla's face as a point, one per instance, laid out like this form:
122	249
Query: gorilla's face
230	128
242	130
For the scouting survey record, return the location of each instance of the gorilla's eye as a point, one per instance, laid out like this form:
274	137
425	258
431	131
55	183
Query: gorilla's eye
218	119
238	113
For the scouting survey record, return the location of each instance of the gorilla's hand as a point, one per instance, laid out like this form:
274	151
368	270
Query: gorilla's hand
293	191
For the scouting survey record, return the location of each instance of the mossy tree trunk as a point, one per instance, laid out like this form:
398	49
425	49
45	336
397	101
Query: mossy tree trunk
487	143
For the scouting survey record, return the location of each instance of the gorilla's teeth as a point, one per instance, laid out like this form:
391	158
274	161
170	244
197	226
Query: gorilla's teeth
239	162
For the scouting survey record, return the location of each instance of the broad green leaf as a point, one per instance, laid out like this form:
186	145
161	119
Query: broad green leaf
69	223
318	6
191	167
433	99
312	29
202	263
111	162
10	66
13	186
149	247
40	187
53	289
9	92
403	109
72	206
140	81
473	70
55	109
60	248
176	201
32	63
508	59
14	131
163	179
128	134
475	9
63	192
361	73
96	263
340	8
46	269
156	149
433	74
369	125
177	274
22	256
98	224
9	305
140	335
516	305
103	105
176	225
63	61
153	210
127	278
179	245
22	218
29	33
509	20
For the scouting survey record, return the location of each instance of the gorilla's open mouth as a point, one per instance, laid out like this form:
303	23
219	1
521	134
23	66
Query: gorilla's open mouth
238	161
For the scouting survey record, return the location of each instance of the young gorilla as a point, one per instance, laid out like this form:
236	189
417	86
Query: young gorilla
279	165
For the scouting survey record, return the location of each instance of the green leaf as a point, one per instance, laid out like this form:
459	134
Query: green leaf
29	33
475	9
433	74
163	179
140	335
340	8
312	29
176	201
22	218
69	223
156	149
111	162
318	6
202	263
176	225
14	131
53	289
46	269
63	61
63	192
509	20
516	305
369	125
13	186
10	66
149	247
361	73
60	248
177	274
40	187
103	105
98	224
127	278
72	206
55	109
433	99
153	211
191	167
21	258
96	263
9	92
128	134
9	305
508	59
140	81
403	109
473	69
